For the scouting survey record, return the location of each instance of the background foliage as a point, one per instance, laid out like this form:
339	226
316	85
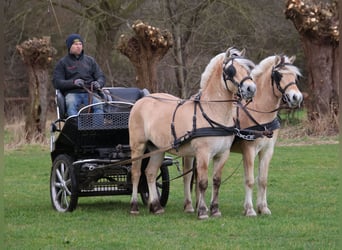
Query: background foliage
260	26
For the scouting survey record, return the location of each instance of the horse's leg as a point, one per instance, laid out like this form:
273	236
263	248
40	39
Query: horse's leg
136	173
218	167
137	149
202	178
187	166
248	153
151	171
264	162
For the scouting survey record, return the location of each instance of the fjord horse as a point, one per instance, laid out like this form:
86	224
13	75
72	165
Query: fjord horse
276	79
161	122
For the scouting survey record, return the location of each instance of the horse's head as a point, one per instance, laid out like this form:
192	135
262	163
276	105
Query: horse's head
284	77
236	71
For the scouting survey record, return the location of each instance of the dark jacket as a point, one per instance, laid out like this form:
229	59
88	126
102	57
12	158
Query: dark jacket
70	68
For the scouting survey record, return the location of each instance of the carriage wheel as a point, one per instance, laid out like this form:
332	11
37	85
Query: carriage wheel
163	187
63	185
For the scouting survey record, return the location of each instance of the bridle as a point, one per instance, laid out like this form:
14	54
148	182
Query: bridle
276	77
229	74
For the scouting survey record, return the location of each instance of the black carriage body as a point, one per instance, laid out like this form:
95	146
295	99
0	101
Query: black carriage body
89	149
84	141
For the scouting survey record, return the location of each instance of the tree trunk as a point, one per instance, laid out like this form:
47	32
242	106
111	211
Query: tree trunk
38	102
37	55
145	49
322	63
317	25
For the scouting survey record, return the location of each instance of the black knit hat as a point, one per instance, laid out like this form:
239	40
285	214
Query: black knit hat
73	38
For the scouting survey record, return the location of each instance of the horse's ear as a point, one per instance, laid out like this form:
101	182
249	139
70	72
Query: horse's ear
292	59
277	60
226	56
243	52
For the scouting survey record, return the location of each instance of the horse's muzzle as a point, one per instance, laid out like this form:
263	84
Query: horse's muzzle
248	90
294	99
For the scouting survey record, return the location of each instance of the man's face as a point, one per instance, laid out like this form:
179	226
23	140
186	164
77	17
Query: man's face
76	48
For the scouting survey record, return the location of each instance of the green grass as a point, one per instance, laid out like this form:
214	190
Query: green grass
302	195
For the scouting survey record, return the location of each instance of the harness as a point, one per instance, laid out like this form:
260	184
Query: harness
251	133
215	129
229	72
276	78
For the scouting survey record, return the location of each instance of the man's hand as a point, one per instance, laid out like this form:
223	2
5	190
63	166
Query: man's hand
96	85
79	83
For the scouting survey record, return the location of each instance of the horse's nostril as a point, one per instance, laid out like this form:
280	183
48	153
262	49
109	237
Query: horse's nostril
251	89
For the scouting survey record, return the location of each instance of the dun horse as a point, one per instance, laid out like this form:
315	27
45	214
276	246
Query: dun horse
275	77
200	127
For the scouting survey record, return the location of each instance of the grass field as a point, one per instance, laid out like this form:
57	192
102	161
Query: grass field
302	195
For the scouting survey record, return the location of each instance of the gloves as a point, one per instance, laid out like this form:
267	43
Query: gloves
79	83
96	85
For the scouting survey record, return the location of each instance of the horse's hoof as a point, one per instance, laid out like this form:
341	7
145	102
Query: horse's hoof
203	217
216	214
202	214
250	212
134	208
215	211
188	209
156	208
264	211
160	211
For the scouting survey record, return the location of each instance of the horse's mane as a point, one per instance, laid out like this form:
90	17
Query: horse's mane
218	60
268	62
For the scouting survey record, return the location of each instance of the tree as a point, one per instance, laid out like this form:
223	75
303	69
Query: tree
184	17
106	18
37	56
145	49
317	25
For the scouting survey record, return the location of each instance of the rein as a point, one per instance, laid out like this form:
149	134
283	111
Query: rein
90	96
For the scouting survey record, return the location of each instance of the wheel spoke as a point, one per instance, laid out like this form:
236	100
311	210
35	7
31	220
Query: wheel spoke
67	191
59	175
68	182
58	185
159	176
58	195
66	174
65	199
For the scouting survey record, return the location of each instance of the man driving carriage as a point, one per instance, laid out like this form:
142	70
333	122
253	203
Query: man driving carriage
77	76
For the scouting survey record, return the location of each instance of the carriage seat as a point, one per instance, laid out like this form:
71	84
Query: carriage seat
124	94
109	94
61	107
120	94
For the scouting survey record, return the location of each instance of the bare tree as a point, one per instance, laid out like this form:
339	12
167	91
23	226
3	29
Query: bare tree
317	24
37	55
107	16
145	49
184	16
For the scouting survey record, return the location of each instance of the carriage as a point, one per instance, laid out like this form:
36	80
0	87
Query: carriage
90	152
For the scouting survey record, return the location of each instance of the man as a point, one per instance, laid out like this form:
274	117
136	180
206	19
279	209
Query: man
75	74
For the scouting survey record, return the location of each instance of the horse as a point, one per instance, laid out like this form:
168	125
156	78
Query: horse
201	126
276	79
